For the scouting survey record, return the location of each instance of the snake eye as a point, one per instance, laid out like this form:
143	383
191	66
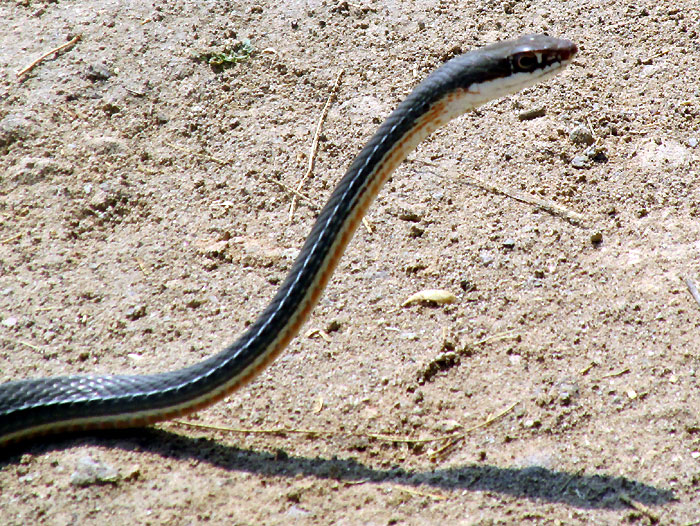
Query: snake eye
526	61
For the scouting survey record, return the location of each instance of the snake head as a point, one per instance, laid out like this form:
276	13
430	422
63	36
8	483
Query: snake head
529	53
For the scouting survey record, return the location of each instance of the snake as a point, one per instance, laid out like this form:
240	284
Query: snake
32	408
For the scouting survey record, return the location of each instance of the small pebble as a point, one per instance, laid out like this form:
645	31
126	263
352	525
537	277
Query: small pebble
10	322
486	258
581	135
106	145
531	423
296	512
135	312
534	113
449	426
580	161
14	127
89	471
97	71
567	391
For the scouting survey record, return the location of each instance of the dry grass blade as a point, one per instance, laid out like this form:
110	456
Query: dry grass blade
31	66
547	206
317	432
433	496
250	431
314	142
10	239
616	373
462	435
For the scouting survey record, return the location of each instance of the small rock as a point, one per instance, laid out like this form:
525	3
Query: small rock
89	471
194	303
416	231
486	258
110	108
10	322
581	135
97	71
596	154
449	426
135	312
579	162
296	512
334	326
693	142
133	473
532	423
409	215
106	145
567	390
597	238
434	296
100	200
509	243
14	128
215	250
31	170
536	460
534	113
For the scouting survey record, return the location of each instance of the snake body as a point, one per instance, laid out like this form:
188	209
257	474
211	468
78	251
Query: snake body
29	408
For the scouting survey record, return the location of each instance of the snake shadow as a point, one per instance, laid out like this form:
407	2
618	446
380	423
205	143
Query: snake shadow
598	491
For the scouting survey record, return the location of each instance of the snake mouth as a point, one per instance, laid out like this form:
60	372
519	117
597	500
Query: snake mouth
568	51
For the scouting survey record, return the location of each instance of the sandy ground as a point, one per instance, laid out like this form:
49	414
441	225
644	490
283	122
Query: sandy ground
144	221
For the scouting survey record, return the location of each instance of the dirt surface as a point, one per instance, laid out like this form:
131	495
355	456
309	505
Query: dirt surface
144	221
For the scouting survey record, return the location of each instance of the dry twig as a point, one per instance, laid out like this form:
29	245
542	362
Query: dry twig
314	143
462	435
22	342
547	206
10	239
498	337
585	370
48	54
433	496
617	373
454	438
311	433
